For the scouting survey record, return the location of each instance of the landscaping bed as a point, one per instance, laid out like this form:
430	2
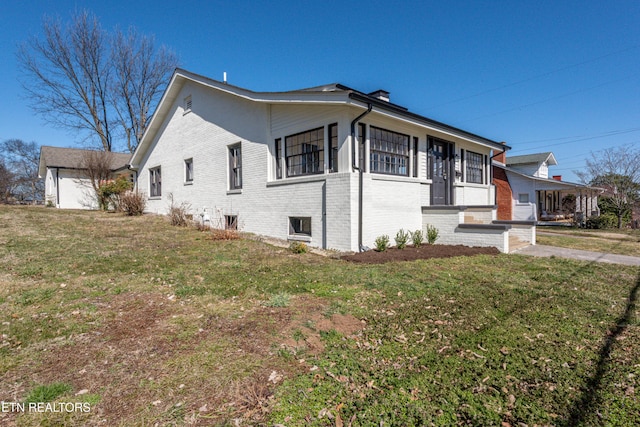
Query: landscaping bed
411	253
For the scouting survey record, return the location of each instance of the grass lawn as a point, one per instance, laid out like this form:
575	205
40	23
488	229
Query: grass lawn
621	242
147	324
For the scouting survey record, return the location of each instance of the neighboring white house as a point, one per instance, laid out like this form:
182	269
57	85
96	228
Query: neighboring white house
66	182
328	165
525	191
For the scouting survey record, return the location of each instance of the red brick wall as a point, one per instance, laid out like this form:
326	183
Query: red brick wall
503	194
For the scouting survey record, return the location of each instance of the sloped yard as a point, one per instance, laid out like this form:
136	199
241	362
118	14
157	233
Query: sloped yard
150	324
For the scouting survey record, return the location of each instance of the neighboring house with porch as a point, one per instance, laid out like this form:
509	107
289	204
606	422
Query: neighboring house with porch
328	165
66	183
524	191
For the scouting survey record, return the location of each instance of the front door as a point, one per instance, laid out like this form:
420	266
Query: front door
440	171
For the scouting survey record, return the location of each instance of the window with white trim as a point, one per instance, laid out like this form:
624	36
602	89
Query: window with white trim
474	167
188	170
231	222
235	167
300	226
155	182
304	152
523	198
388	152
333	147
277	151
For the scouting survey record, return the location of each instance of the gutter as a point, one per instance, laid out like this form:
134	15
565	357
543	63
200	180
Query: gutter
356	167
442	127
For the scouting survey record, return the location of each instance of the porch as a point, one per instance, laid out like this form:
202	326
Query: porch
567	205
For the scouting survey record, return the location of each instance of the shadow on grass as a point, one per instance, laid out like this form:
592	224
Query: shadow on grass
589	400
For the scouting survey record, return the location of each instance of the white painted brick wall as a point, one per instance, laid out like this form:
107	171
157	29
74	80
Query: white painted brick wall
264	204
262	207
388	207
526	233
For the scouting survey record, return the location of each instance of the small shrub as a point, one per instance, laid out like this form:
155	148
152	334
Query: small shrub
382	243
110	192
279	300
432	234
402	238
298	247
178	214
133	203
50	204
201	226
417	237
224	234
225	227
606	220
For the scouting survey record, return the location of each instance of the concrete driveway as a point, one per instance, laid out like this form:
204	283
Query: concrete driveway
548	251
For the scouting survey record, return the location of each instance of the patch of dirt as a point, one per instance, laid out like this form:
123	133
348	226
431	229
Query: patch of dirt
140	358
411	253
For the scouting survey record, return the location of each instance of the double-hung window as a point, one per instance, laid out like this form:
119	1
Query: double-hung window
235	167
388	151
474	167
188	171
304	152
155	182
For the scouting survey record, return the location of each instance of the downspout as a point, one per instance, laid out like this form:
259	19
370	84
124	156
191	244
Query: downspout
358	167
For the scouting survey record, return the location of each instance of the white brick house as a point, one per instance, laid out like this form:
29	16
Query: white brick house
328	165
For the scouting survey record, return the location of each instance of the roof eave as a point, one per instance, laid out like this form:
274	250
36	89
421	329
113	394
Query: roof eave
426	121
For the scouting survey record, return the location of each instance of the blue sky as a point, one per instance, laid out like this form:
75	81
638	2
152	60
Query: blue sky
561	76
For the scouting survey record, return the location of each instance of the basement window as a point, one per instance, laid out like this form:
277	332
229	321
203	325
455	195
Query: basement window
300	226
231	222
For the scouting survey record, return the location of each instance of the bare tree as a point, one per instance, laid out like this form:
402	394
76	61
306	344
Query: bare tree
67	76
7	182
22	160
141	74
97	166
82	78
617	171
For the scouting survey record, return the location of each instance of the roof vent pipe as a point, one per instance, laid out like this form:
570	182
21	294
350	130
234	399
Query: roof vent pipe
224	77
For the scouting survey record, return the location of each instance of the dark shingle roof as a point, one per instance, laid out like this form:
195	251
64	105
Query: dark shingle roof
72	158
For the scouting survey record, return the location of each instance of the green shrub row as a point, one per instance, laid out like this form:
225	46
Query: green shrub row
403	237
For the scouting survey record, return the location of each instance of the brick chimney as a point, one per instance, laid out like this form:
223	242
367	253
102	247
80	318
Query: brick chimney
557	177
501	157
381	94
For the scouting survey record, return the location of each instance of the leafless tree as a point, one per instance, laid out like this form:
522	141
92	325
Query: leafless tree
617	171
141	74
96	166
67	76
22	159
7	182
83	78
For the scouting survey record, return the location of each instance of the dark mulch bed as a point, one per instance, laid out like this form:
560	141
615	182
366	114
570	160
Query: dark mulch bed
423	252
